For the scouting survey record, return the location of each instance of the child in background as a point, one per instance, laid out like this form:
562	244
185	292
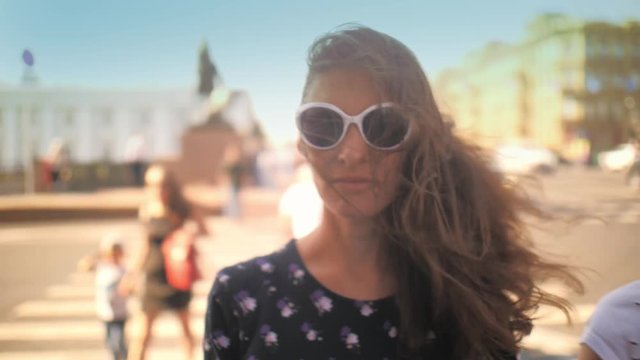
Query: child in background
111	300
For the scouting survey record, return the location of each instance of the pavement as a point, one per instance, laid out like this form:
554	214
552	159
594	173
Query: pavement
119	203
61	324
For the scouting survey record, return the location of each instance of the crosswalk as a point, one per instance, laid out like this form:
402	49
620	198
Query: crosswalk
62	325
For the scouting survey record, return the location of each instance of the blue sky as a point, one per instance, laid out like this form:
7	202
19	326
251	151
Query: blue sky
257	45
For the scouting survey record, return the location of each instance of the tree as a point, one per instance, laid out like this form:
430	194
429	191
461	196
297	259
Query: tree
207	72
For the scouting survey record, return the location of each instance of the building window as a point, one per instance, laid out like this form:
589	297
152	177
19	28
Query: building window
619	50
589	111
617	111
593	83
632	82
603	110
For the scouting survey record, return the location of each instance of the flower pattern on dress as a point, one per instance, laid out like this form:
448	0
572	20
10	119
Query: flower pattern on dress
223	278
311	334
391	330
218	339
296	274
287	307
366	307
247	303
350	339
288	314
265	266
270	337
323	303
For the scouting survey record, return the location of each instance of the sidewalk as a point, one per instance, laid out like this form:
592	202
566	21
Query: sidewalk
61	324
120	203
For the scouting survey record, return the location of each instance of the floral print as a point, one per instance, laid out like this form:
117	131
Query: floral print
366	307
220	340
296	274
223	278
247	303
270	337
350	339
391	330
323	303
273	308
265	266
311	334
287	307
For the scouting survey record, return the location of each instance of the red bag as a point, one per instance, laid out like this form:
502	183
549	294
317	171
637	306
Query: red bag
179	255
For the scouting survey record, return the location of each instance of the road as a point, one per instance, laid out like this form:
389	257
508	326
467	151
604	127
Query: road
46	310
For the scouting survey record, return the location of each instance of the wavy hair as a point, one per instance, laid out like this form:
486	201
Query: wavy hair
463	260
177	205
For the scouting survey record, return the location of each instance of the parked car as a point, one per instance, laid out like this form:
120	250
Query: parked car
618	159
523	159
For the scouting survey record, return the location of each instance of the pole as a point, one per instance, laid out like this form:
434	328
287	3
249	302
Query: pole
27	156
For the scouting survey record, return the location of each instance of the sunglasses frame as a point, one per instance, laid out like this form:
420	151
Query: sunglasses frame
347	120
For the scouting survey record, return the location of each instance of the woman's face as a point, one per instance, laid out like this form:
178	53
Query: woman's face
353	179
154	180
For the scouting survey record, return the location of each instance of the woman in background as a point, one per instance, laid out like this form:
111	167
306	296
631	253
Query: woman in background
164	211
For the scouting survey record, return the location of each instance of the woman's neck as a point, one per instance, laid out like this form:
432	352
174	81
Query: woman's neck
346	256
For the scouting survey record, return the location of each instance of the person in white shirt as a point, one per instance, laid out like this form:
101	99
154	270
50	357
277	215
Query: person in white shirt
300	206
111	298
613	332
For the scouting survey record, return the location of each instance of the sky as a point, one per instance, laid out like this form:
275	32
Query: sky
257	45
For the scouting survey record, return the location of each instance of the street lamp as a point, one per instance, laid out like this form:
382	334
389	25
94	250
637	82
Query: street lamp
26	118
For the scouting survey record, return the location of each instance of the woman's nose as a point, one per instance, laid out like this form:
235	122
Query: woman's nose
353	147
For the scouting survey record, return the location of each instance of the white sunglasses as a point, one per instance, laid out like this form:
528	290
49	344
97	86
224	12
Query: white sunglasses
324	125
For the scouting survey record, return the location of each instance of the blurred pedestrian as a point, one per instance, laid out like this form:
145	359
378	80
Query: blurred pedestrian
234	168
56	162
300	206
134	155
421	252
613	332
632	177
111	295
164	214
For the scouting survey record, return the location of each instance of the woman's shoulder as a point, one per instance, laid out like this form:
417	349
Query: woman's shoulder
254	274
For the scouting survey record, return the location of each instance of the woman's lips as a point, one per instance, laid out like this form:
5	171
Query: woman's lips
354	184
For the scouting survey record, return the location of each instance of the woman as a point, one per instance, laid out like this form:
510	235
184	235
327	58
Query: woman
421	251
165	210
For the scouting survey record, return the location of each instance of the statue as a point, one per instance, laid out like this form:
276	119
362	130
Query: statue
207	72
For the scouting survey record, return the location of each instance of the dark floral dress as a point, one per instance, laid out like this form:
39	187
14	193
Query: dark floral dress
271	307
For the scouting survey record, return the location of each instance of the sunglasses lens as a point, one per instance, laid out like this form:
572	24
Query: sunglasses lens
385	127
321	127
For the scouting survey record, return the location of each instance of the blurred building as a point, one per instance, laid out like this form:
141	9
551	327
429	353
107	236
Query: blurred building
95	125
569	81
177	127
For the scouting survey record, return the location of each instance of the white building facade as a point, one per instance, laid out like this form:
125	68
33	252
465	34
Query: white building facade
95	124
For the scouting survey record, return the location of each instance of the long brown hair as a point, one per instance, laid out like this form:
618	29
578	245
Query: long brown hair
461	254
177	205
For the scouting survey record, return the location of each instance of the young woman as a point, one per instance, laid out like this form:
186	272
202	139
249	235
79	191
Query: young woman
421	251
165	210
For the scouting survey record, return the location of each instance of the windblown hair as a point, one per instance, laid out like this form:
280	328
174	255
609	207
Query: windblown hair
177	205
464	262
